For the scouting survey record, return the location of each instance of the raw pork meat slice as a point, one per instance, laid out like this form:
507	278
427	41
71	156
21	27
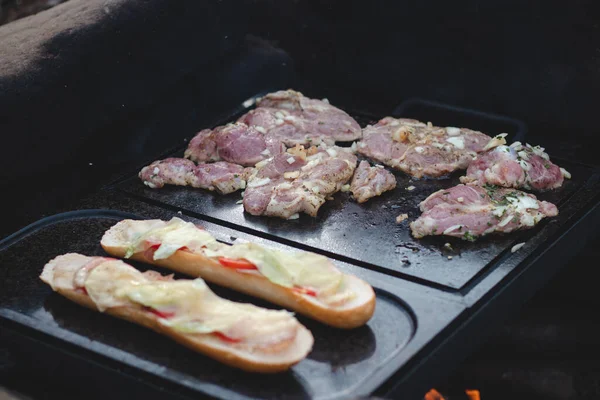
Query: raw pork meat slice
471	211
293	119
420	149
299	181
221	176
516	166
371	181
235	143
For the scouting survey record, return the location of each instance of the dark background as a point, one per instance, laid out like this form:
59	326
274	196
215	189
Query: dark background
92	98
143	75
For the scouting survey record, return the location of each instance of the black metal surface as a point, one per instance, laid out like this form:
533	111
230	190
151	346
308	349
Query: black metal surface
342	362
367	234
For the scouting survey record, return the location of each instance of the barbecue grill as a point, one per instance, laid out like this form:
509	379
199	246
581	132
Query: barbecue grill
123	84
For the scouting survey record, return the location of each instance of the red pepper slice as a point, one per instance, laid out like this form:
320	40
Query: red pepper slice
306	291
226	338
237	264
82	290
149	252
160	314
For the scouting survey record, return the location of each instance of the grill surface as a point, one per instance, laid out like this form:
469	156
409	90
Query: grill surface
431	311
366	234
342	361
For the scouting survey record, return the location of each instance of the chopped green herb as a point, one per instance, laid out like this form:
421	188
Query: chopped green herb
489	223
470	237
446	193
547	166
490	189
236	176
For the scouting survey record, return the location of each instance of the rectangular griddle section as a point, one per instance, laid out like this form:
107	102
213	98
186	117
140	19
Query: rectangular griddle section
343	362
367	234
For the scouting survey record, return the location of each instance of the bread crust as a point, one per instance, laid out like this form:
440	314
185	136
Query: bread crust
208	344
348	316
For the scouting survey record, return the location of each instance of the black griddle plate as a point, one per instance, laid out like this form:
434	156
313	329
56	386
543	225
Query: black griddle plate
343	362
431	311
365	234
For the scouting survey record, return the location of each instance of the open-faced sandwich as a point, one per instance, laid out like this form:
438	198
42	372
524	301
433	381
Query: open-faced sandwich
240	335
301	281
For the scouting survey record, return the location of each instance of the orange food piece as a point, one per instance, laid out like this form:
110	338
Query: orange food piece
433	395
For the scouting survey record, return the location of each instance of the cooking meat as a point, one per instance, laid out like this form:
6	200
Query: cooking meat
516	166
286	126
471	211
298	181
203	147
294	119
371	181
377	142
420	149
221	176
236	143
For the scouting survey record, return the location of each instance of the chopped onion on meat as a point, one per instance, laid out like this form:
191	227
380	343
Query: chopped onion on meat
517	247
505	221
496	141
452	131
452	229
291	174
565	173
258	182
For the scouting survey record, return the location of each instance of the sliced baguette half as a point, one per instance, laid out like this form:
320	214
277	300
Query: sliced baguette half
351	314
60	272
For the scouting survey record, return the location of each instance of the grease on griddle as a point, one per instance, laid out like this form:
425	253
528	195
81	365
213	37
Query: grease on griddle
411	246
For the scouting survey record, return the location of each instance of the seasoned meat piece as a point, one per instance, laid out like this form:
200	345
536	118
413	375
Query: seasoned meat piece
471	211
370	182
298	181
420	149
516	166
286	126
294	119
388	140
202	147
236	143
221	176
428	160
